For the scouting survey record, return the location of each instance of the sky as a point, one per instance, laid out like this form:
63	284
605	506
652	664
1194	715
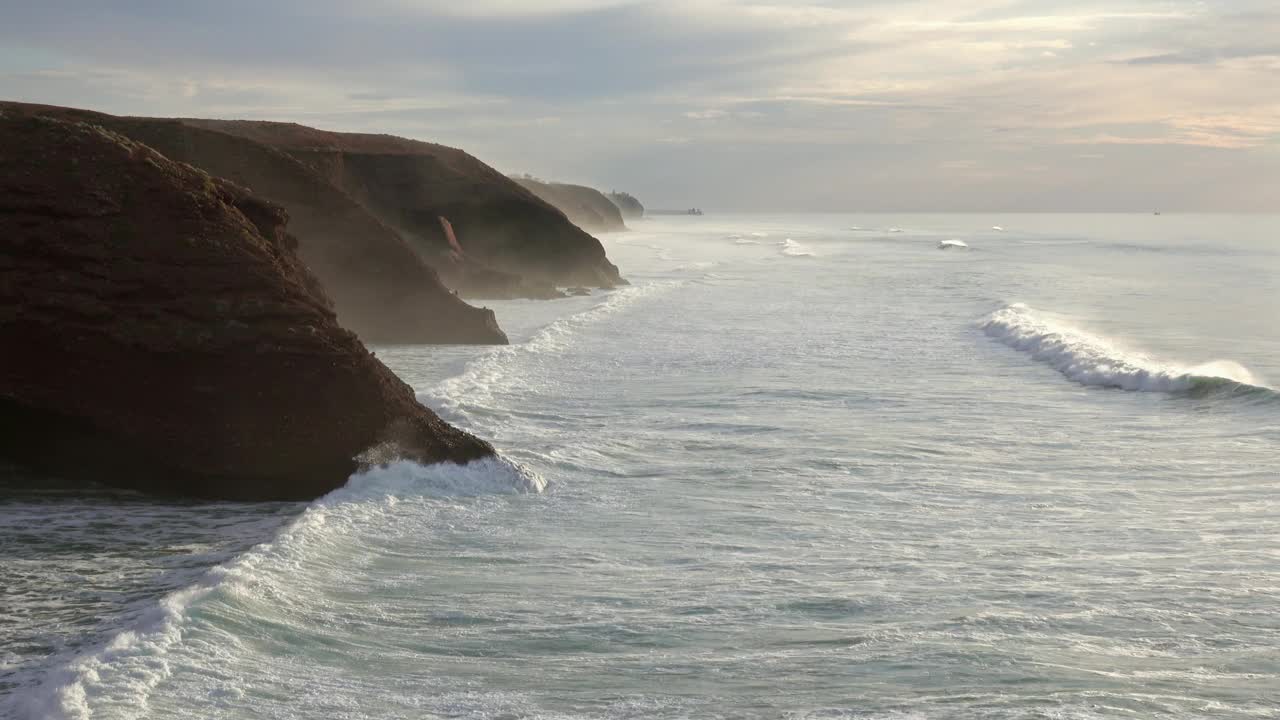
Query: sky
728	105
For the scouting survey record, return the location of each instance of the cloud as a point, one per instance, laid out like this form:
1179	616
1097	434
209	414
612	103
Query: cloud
602	91
1203	56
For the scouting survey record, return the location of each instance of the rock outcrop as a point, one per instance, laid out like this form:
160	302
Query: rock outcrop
161	333
585	207
628	205
382	288
410	184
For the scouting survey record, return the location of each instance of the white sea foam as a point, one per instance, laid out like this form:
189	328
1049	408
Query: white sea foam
477	385
662	252
953	245
117	678
895	230
701	265
759	234
1092	360
791	248
997	228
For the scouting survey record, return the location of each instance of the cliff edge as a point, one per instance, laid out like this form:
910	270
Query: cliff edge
382	288
410	185
585	207
628	205
161	333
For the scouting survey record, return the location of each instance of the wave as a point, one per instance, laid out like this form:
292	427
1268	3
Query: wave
662	252
701	265
121	674
1095	361
791	248
475	388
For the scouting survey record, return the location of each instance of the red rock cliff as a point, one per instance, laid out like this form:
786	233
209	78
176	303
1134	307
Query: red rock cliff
160	332
383	289
410	184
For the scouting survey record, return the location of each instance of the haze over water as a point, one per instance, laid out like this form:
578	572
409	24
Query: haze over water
805	466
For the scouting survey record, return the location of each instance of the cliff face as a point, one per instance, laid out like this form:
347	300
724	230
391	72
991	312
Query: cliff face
629	206
585	207
383	289
161	333
501	227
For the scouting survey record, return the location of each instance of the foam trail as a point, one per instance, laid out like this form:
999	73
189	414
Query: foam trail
662	252
477	385
1091	360
118	677
791	248
702	265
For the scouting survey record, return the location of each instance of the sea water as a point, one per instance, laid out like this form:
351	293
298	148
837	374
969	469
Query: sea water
803	467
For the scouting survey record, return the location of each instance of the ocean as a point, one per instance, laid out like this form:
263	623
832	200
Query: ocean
803	467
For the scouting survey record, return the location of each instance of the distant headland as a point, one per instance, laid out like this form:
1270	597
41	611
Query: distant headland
189	299
690	211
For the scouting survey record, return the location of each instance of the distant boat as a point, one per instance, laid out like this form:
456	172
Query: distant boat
1157	212
997	228
953	245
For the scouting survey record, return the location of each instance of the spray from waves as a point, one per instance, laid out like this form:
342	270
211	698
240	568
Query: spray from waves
459	398
791	248
662	252
1091	360
116	679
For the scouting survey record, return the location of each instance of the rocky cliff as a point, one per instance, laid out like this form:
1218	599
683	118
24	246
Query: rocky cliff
585	207
628	205
160	332
382	288
410	185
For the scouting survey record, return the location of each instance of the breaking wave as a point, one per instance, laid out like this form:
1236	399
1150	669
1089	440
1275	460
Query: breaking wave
458	398
791	248
121	674
1095	361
